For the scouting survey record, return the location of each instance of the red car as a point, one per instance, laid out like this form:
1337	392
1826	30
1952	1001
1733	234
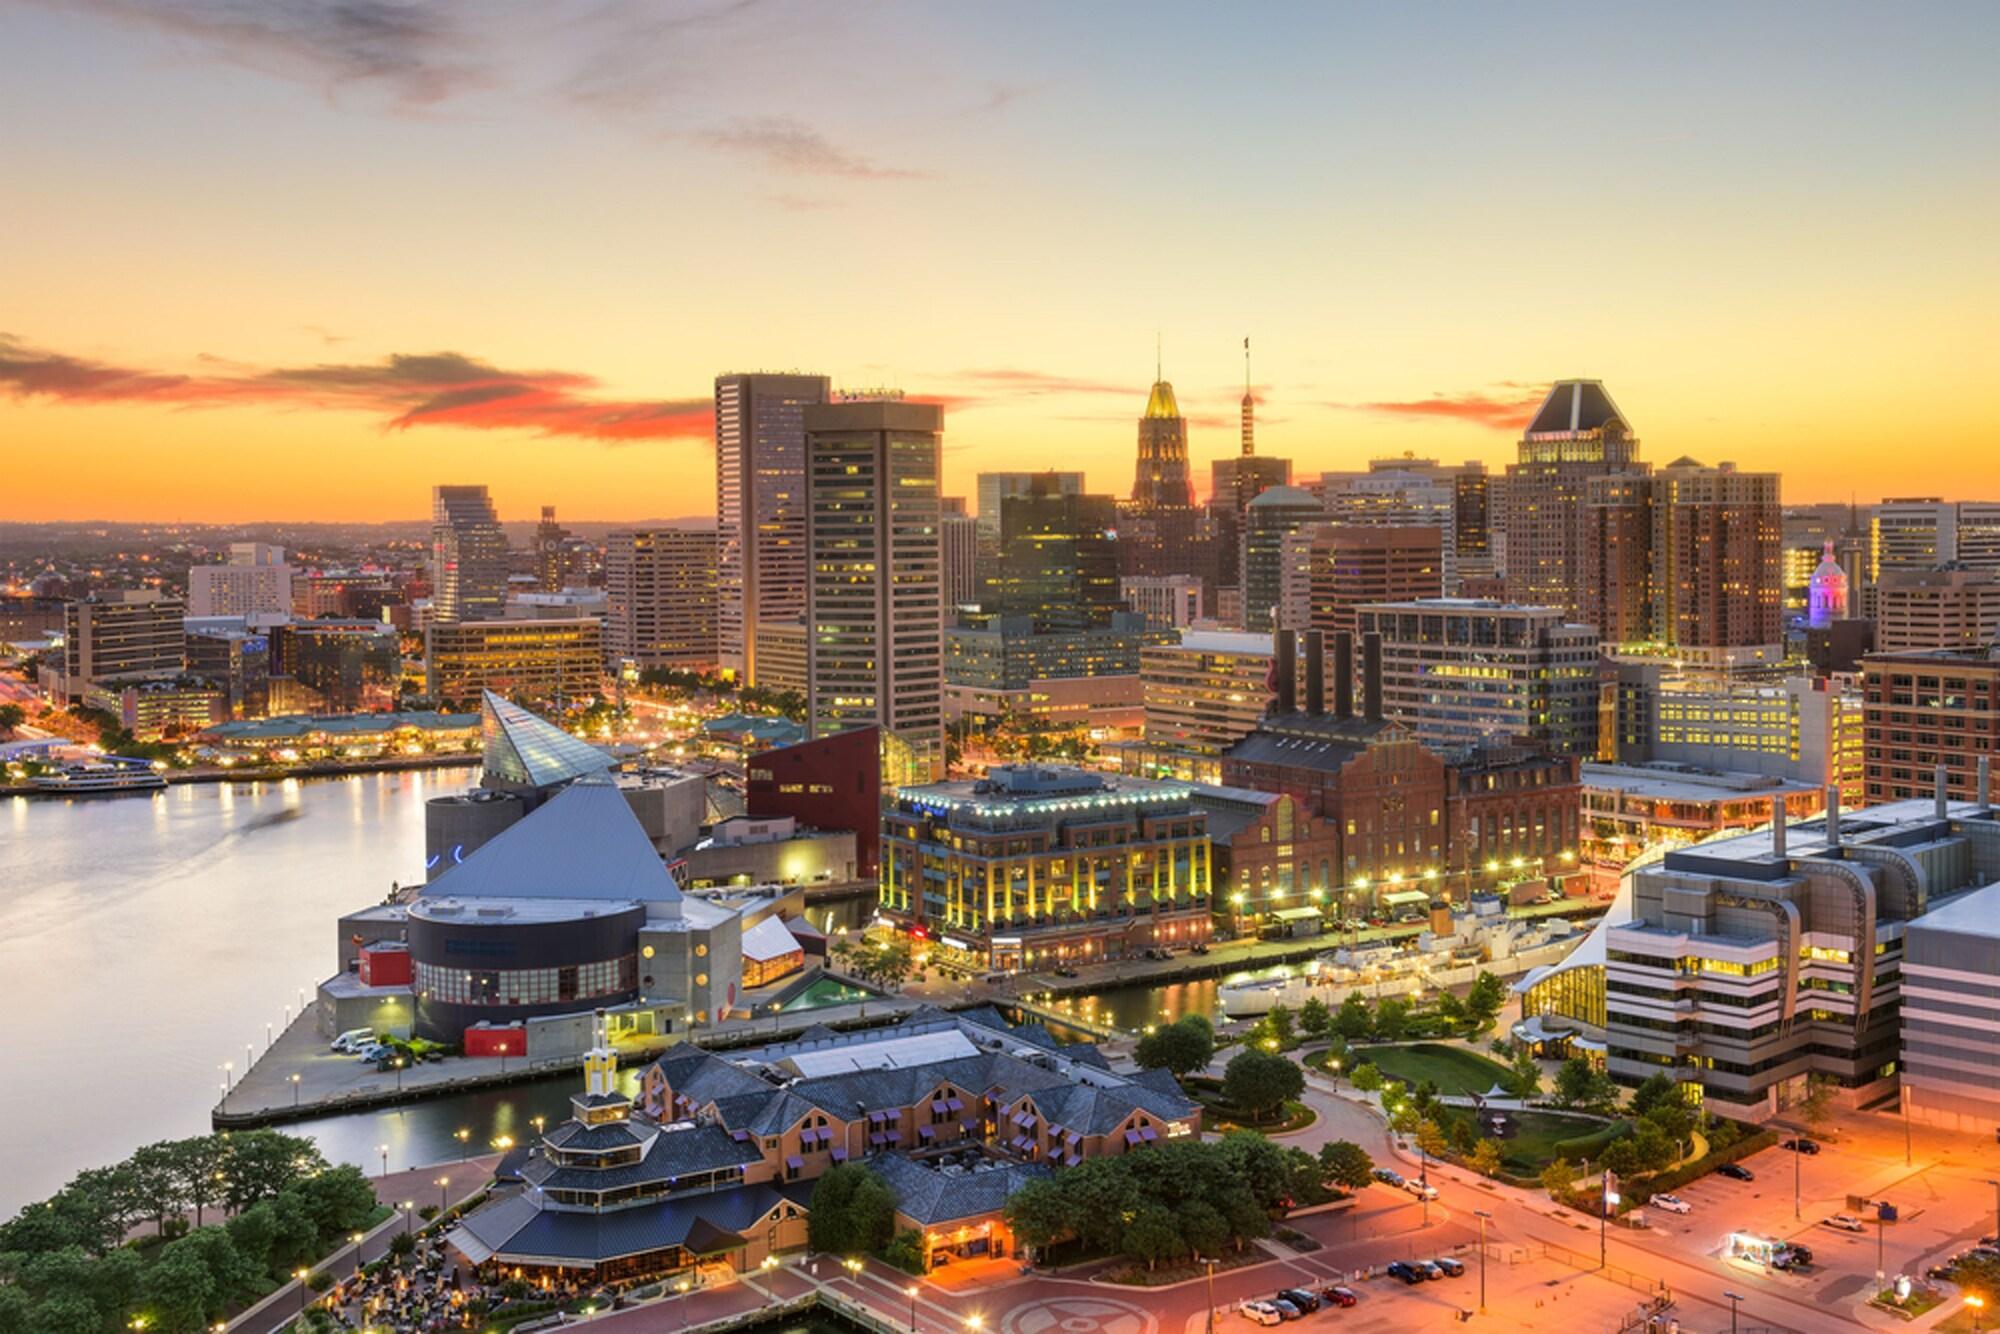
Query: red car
1340	1295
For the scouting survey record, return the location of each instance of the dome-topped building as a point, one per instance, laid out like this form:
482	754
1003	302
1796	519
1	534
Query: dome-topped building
1826	594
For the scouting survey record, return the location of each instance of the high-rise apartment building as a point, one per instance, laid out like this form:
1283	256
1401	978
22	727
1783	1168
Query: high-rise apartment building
1413	492
1350	565
1275	515
1458	671
875	599
661	586
468	556
1201	696
760	507
958	537
1923	709
1689	558
351	666
1948	608
255	581
134	632
1057	563
1578	433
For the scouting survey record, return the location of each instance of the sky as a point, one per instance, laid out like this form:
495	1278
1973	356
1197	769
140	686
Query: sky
275	259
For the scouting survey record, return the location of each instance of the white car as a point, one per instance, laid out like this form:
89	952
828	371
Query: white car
1262	1313
1673	1204
1846	1223
354	1039
1422	1190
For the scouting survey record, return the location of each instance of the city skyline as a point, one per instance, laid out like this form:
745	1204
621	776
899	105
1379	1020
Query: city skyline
518	252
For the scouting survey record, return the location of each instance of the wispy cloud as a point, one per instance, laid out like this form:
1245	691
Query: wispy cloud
1505	406
419	54
792	146
404	391
1009	380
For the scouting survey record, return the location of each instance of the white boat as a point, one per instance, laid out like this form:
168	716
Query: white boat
110	773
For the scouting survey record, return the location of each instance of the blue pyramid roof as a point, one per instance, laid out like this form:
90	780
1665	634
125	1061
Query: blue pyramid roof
525	749
583	843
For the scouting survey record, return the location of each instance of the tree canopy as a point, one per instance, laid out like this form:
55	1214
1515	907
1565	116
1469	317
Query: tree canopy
1182	1047
853	1211
1260	1082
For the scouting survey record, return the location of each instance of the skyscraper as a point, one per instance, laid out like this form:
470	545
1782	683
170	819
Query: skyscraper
875	598
1058	559
1160	529
1578	433
760	507
1162	481
993	488
468	556
551	539
256	579
660	586
958	534
1267	521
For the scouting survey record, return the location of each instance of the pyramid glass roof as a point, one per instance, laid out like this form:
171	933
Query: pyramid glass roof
525	749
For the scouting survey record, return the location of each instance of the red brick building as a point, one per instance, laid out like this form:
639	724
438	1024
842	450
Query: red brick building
1924	709
831	782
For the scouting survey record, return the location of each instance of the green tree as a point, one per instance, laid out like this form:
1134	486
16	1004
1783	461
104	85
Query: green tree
233	1278
1559	1179
1260	1164
1038	1213
1656	1090
853	1211
294	1238
1366	1077
1485	1158
1621	1157
1404	1119
1392	1018
1978	1276
1315	1020
337	1200
1153	1235
1181	1047
1260	1082
906	1251
1452	1011
180	1292
1524	1076
1353	1021
197	1165
11	717
155	1184
1580	1084
253	1232
401	1247
1816	1106
1430	1138
1484	1001
1463	1134
1346	1164
260	1163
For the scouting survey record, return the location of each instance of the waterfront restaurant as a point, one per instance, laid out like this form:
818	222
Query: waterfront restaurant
714	1161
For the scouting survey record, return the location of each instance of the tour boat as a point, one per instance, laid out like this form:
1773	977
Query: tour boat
109	773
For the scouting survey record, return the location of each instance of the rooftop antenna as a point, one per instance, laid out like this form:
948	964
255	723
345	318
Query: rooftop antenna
1249	407
1157	363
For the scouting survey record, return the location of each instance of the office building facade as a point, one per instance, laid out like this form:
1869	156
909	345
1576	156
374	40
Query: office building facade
468	556
661	589
875	600
1275	515
1952	607
1577	434
1351	565
1459	671
760	507
553	659
255	581
1929	708
134	632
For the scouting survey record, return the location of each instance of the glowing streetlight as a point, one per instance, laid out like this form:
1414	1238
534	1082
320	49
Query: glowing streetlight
383	1149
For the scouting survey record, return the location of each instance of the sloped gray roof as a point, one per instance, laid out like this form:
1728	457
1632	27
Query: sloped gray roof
930	1197
583	843
675	1152
525	749
1575	405
518	1229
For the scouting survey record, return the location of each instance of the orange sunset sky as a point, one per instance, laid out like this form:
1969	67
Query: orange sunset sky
301	261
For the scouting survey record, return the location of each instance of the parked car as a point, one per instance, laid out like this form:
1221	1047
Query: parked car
353	1039
1286	1310
1845	1222
1736	1172
1794	1256
1388	1176
376	1051
1065	972
1262	1313
1199	947
1431	1268
1340	1295
1406	1271
1673	1204
1300	1298
1452	1267
1423	1190
1801	1145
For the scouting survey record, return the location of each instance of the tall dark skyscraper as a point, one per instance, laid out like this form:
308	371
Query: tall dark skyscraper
760	508
1578	433
551	542
1058	559
468	556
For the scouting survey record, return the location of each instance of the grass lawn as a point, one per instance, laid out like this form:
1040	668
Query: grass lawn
1537	1135
1454	1070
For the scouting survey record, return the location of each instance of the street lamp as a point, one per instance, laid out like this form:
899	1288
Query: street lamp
383	1149
1734	1297
911	1292
399	1075
442	1184
1978	1305
301	1275
975	1322
1209	1264
295	1091
1482	1216
409	1220
464	1138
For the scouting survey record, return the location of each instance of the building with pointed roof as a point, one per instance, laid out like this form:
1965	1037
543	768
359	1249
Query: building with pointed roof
1578	433
1162	476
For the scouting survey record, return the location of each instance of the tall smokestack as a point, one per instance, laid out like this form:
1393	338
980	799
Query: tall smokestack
1778	826
1938	780
1833	815
1285	666
1371	676
1343	673
1314	647
1985	782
